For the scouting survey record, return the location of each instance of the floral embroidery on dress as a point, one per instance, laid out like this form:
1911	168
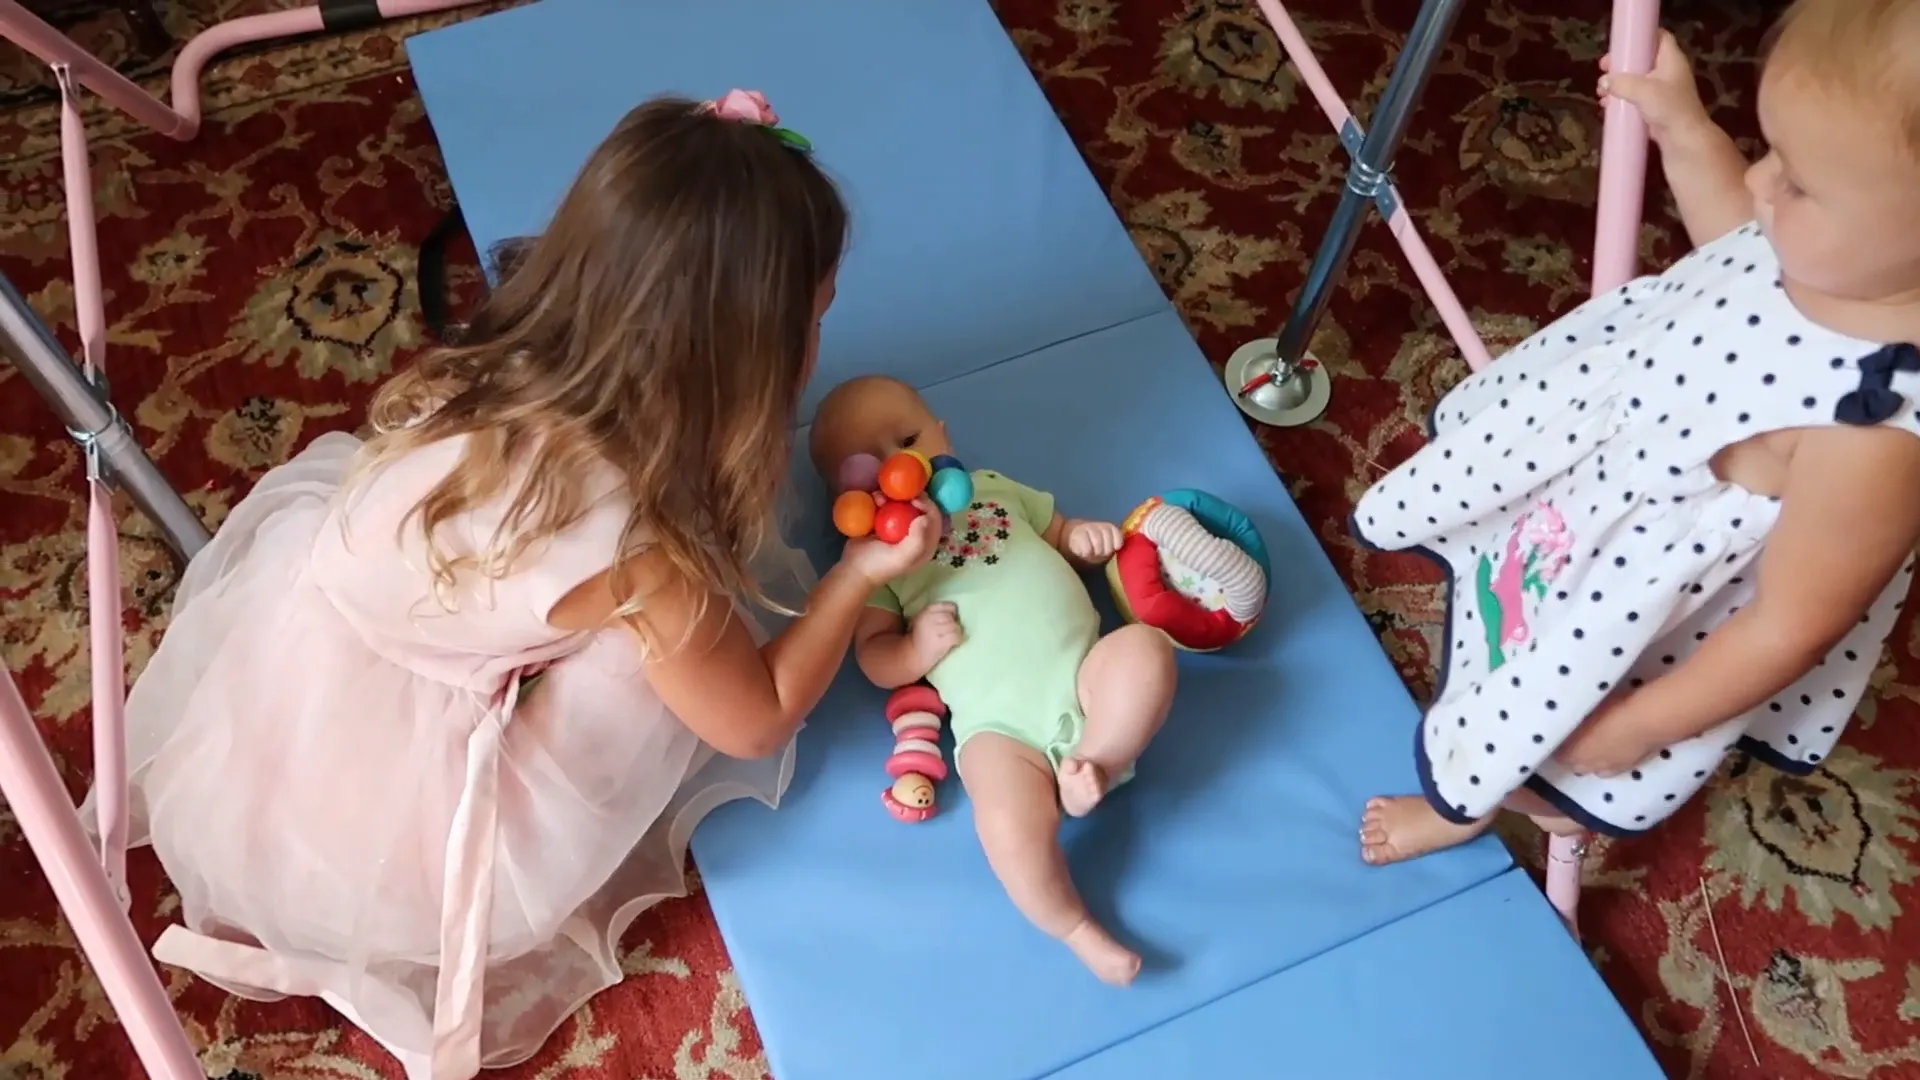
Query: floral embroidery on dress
976	535
1538	550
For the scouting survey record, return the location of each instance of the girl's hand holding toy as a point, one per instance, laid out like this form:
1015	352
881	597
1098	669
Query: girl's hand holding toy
881	559
880	498
880	504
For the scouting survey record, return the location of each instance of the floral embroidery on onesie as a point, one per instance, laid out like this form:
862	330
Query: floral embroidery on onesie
1569	492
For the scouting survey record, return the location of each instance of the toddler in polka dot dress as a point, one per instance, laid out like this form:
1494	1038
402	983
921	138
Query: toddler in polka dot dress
1681	520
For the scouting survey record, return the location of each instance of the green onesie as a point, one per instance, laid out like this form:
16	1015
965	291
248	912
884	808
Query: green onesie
1025	612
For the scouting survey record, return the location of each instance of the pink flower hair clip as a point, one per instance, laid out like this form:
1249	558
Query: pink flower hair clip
751	107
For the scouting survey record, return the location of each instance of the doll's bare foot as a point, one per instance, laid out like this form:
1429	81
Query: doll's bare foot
1111	961
1406	827
1082	785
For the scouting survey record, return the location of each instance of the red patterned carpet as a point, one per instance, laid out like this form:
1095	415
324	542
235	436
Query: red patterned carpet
260	283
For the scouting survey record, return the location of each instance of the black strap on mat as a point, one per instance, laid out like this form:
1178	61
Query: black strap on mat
343	16
436	300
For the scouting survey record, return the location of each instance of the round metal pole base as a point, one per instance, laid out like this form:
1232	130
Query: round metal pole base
1298	395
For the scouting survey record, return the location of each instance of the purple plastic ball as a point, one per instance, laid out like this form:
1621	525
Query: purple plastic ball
860	472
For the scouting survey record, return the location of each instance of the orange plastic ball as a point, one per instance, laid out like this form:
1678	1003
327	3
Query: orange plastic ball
853	513
903	476
893	520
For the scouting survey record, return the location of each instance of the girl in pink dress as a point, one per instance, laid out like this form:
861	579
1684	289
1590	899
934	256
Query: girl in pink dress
437	712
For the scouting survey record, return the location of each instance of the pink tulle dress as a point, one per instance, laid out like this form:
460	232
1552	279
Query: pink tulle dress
361	793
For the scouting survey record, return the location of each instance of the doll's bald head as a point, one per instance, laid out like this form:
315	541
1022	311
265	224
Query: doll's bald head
872	414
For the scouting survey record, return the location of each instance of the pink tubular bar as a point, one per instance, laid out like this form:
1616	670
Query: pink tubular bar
1425	267
1633	38
1623	166
90	884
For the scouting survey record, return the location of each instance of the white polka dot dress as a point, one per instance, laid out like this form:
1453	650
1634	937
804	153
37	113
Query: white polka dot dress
1568	490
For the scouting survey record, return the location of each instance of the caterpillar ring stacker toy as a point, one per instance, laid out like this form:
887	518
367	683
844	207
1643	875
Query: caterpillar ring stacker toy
916	764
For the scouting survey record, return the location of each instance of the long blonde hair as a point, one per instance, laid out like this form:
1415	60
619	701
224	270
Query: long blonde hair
661	325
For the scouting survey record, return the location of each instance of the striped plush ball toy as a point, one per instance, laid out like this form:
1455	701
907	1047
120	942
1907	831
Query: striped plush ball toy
1192	566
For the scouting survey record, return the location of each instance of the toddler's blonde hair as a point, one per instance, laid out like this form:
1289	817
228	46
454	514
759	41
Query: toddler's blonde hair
1866	49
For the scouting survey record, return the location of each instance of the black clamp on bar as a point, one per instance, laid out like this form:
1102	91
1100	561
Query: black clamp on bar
342	16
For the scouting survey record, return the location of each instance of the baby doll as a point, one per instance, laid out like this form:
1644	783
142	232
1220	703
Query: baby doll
1046	713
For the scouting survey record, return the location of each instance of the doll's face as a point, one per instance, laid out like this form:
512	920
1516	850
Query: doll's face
874	415
913	790
921	431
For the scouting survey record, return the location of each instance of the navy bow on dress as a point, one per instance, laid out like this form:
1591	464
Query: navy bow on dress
1875	400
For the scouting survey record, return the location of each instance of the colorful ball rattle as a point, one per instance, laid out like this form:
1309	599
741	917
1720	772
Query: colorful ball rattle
915	764
876	497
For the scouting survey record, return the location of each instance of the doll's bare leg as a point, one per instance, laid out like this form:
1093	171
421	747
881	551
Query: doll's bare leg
1014	809
1403	827
1126	686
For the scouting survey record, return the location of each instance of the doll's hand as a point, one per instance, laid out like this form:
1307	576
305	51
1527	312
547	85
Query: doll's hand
1666	95
1093	541
880	562
935	632
1614	738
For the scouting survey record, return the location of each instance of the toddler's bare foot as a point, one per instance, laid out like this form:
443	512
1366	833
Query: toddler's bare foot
1082	785
1113	962
1406	827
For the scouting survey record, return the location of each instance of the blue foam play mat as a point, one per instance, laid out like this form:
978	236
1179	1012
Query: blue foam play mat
989	270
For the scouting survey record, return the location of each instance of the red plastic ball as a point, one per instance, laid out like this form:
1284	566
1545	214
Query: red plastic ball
903	476
891	521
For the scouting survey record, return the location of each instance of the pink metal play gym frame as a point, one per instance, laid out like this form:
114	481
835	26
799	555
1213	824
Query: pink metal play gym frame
1270	379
